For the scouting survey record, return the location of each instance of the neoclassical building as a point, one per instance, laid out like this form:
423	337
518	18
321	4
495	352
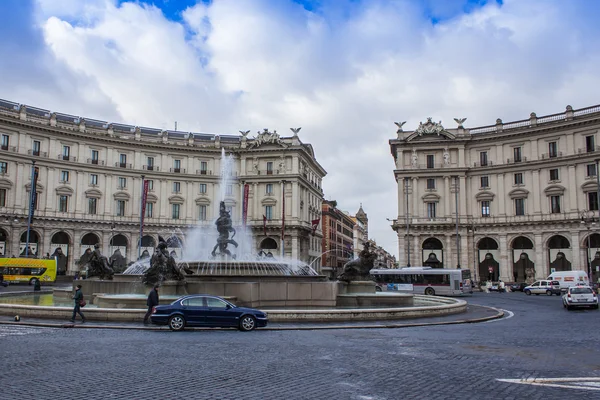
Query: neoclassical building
502	199
89	186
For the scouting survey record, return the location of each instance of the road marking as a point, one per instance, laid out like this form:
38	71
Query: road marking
507	315
565	383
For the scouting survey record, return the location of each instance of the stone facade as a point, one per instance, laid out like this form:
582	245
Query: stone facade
90	184
523	195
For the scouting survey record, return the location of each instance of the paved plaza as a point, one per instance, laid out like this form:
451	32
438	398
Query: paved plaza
537	338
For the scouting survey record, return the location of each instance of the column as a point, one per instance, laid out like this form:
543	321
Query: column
295	206
189	202
108	190
449	252
20	201
505	264
295	253
447	211
462	196
461	157
415	198
255	214
163	201
402	254
577	263
416	255
572	188
50	193
541	256
79	196
464	250
535	185
401	196
501	196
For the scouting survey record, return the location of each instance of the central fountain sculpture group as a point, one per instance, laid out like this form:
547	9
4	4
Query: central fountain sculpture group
359	268
224	226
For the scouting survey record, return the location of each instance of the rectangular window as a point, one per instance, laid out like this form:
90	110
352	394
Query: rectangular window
555	204
95	157
63	203
269	188
228	190
176	165
175	208
3	167
519	178
93	179
150	184
36	147
150	163
519	206
485	181
92	203
552	149
149	210
123	160
485	208
483	158
203	167
66	154
64	176
269	212
2	197
591	170
122	182
270	168
517	154
430	183
431	210
430	161
590	143
5	142
554	174
203	188
176	187
120	208
202	213
593	201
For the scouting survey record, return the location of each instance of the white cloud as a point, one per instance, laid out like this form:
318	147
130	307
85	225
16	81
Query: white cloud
344	74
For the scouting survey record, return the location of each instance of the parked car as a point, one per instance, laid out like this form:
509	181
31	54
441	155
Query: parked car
209	311
543	287
580	296
518	287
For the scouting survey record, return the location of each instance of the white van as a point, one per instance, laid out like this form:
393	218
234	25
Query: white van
569	278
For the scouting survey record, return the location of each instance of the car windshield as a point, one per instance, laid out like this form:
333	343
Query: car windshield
582	290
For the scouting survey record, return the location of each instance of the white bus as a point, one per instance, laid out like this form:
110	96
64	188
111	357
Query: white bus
424	280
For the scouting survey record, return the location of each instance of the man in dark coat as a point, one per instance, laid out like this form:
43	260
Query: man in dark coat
151	302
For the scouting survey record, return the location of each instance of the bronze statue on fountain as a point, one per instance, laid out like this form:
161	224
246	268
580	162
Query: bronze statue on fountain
358	269
98	265
163	266
224	226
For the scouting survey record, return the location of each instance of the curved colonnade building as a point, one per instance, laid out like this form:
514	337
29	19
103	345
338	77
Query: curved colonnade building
513	201
89	186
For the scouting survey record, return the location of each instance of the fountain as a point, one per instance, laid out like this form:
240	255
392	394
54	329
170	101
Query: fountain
205	263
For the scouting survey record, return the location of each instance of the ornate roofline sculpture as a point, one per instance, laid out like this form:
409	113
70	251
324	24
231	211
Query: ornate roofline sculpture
429	128
266	137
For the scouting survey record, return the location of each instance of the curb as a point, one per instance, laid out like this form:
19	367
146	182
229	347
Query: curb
88	325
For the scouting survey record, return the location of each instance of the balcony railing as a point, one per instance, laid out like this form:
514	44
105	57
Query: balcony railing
177	170
151	168
95	161
485	164
516	160
8	148
37	153
123	165
203	172
546	156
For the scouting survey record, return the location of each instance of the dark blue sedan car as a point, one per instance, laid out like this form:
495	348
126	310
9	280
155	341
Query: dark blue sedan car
209	311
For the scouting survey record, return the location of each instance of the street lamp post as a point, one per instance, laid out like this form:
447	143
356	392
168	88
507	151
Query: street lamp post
587	218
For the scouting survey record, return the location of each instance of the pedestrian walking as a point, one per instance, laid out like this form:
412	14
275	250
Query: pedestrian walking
151	302
78	298
501	286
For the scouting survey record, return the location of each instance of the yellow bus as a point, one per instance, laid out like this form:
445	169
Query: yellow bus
28	270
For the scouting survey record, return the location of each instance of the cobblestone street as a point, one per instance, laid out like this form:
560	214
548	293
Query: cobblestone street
536	339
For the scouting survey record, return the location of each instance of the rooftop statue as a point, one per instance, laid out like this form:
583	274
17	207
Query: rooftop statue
359	268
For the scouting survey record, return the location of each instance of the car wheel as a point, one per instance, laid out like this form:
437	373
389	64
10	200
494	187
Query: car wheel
548	292
528	292
564	305
247	323
177	322
430	292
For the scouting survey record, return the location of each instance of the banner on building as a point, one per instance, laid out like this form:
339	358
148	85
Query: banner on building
36	173
245	205
315	225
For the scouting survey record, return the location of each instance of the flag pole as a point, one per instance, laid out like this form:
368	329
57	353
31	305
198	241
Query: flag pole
31	204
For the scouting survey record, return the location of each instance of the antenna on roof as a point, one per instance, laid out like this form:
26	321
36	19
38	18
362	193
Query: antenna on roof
176	125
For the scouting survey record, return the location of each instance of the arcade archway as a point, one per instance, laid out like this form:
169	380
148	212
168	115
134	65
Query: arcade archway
559	254
488	253
59	248
34	241
523	255
432	253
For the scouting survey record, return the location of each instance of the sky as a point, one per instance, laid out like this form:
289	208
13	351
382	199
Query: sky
343	70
